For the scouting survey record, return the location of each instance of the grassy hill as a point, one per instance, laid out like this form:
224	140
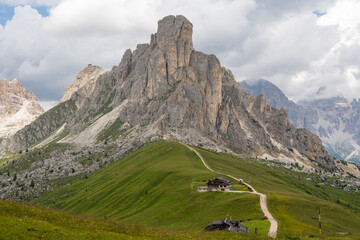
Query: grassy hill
293	201
154	186
25	221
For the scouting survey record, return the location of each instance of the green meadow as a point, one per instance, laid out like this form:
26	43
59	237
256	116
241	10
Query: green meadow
154	186
293	201
25	221
154	189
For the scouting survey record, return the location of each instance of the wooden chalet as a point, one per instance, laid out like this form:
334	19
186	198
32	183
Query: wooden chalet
219	183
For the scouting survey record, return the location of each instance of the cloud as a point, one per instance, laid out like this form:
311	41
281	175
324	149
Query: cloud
282	41
342	14
46	57
302	53
339	67
30	2
103	17
46	53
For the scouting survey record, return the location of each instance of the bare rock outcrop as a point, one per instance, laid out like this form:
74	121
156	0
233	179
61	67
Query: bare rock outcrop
166	89
85	80
161	90
17	107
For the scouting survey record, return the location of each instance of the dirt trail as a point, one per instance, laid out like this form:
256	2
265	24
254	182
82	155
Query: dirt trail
263	199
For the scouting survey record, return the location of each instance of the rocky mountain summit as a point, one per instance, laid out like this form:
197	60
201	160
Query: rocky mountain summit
334	120
17	107
161	90
85	80
166	88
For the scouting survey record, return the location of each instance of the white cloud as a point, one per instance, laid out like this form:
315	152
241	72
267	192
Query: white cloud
105	17
19	39
46	53
48	3
304	53
283	42
344	14
339	67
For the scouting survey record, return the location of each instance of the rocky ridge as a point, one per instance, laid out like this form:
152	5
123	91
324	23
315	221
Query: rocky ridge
276	98
178	91
334	120
164	90
17	107
85	80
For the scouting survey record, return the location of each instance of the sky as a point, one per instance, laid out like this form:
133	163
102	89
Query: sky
301	46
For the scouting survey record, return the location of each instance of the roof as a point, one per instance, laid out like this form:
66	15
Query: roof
218	181
228	226
216	222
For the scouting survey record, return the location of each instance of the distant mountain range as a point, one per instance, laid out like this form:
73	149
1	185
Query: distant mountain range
334	120
17	107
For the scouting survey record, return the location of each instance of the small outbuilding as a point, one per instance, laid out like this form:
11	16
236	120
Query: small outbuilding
227	225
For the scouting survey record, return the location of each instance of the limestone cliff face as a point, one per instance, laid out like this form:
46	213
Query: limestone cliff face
166	89
17	107
85	79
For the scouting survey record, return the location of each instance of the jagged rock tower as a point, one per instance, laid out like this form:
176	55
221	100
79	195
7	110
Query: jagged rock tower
166	89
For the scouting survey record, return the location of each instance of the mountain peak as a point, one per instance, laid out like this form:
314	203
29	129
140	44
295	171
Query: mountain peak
85	78
174	40
166	89
14	81
13	87
17	107
174	28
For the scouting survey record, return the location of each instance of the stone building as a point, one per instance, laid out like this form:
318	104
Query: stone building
227	225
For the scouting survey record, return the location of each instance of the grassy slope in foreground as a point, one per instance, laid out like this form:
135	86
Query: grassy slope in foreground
25	221
154	186
293	201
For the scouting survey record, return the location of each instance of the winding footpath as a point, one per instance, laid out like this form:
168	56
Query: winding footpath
263	199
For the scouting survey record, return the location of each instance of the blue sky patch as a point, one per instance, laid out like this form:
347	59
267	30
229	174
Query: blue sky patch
7	12
318	13
43	10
